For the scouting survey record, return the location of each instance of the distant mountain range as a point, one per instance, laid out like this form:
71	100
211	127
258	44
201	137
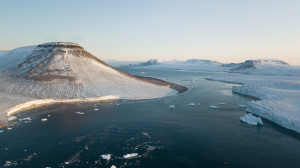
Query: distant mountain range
260	66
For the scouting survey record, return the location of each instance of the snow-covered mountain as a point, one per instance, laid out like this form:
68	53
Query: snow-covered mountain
265	66
260	66
62	70
66	70
191	64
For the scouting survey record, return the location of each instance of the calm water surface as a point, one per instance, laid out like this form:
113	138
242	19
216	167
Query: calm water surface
188	136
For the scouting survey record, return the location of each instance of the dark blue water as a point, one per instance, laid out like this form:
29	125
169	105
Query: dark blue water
188	136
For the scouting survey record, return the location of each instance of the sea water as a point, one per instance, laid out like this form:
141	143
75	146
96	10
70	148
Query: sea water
147	133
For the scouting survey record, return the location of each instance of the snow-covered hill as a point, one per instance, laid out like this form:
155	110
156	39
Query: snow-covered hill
65	70
191	64
260	66
266	66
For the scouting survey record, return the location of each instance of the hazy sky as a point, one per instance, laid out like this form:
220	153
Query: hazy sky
222	30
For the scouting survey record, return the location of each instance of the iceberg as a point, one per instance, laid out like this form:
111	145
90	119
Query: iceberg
251	119
171	107
25	119
44	119
106	156
213	107
80	113
130	155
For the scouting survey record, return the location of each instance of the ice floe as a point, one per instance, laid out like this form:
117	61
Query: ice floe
130	155
25	119
44	119
171	106
80	113
251	119
213	107
106	156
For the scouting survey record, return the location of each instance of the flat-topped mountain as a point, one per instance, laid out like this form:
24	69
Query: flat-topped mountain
63	70
66	70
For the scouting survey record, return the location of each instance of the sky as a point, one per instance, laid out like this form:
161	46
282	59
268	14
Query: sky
139	30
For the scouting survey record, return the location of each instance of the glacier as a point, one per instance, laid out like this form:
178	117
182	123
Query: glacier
279	96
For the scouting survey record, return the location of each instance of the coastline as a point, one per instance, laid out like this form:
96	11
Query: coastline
41	102
26	103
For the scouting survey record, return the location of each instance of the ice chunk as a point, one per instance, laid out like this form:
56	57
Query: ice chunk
80	113
25	119
106	156
10	163
9	128
191	104
251	119
222	103
198	104
96	109
113	166
1	131
213	107
242	106
171	107
11	118
49	116
44	119
130	155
